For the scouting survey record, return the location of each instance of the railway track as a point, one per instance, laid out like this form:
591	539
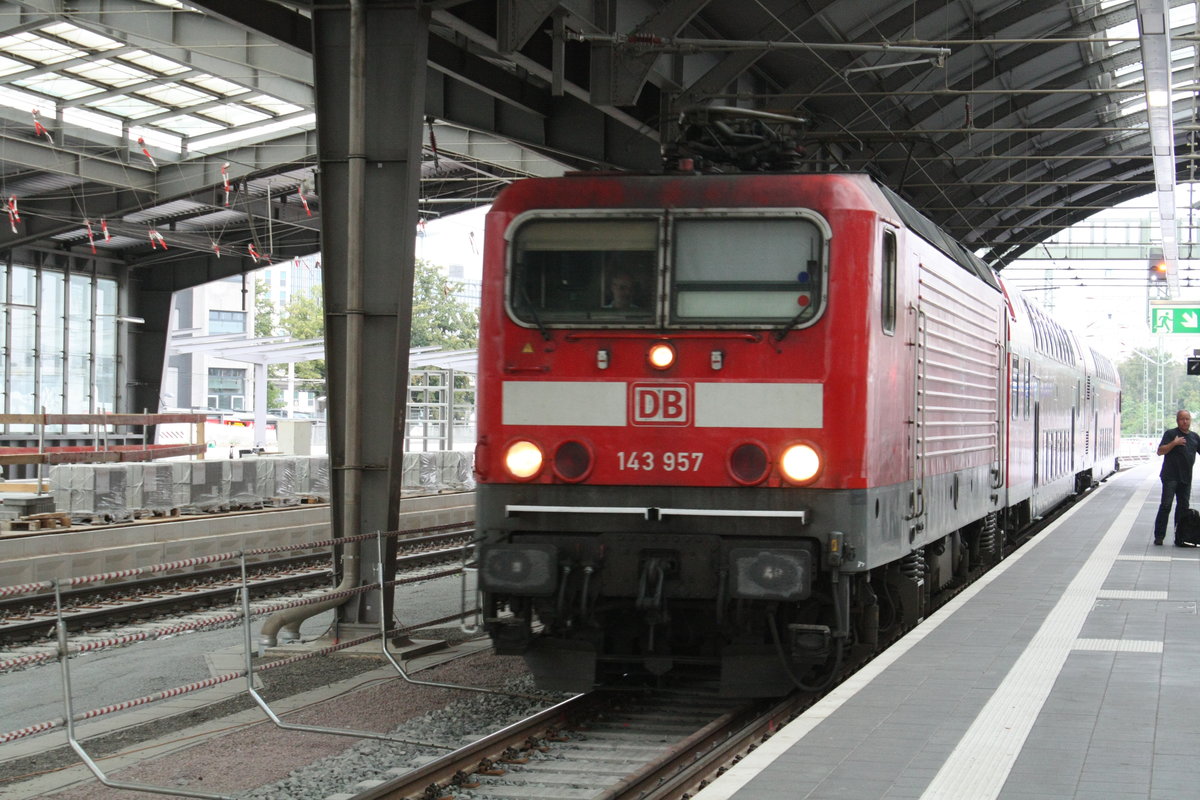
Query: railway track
31	618
645	745
599	745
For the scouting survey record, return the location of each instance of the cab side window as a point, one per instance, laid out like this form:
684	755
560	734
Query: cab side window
887	311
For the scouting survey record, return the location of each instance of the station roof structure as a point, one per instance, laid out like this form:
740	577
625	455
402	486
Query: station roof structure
155	130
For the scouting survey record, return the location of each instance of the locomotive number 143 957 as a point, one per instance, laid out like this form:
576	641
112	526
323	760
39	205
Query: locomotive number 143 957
668	462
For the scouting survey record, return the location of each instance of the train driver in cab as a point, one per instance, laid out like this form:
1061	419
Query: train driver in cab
622	292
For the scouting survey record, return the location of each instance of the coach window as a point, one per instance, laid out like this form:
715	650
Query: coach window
565	271
747	270
888	289
1028	388
1015	380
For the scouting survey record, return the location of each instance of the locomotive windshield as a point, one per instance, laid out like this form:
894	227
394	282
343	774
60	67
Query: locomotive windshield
721	269
581	270
746	270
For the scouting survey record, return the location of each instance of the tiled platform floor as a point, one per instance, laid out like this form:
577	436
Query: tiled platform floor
1070	671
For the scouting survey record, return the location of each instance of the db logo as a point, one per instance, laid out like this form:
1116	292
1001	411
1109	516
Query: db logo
660	404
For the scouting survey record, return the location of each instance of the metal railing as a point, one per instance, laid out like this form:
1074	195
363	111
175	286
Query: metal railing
64	650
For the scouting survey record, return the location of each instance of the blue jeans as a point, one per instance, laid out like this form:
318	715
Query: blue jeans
1181	493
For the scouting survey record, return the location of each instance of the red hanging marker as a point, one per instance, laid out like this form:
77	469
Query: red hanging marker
91	235
225	180
304	202
104	229
146	152
14	216
216	248
253	253
39	128
157	240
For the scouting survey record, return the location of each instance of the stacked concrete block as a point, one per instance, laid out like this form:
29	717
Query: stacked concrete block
290	479
318	476
160	492
251	482
94	492
457	471
205	484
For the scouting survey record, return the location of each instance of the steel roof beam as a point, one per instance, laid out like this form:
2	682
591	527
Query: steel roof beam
30	153
1155	28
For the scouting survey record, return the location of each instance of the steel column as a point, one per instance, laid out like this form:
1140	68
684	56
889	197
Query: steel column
366	406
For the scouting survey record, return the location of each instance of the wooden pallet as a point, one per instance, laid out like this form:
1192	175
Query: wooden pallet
37	522
155	513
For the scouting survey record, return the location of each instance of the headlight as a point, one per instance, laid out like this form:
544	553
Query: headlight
523	459
525	569
661	355
800	463
770	574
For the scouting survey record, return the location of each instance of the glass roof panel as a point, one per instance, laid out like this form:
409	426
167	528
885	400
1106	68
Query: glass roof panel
234	137
32	47
57	85
163	66
154	138
91	121
217	85
81	37
9	67
273	104
1125	30
1182	15
110	73
234	114
174	95
25	101
126	106
189	125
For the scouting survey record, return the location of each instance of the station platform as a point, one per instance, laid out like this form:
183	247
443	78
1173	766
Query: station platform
1068	671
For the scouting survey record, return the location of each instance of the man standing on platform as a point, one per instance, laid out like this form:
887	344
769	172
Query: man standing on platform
1178	448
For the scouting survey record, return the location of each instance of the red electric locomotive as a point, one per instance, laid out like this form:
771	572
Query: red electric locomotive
746	426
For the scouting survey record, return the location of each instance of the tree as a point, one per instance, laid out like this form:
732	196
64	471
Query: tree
265	316
438	317
265	313
1139	392
304	318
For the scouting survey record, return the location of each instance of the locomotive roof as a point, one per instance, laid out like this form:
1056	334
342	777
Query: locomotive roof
924	227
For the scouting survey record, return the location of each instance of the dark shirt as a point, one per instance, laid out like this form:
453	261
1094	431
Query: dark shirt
1178	461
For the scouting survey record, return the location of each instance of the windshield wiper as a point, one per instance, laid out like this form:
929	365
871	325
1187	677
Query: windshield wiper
542	329
786	329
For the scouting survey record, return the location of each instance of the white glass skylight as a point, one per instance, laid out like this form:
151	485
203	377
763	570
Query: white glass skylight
274	105
57	85
218	85
154	63
174	94
125	106
83	38
38	49
110	73
233	114
189	125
